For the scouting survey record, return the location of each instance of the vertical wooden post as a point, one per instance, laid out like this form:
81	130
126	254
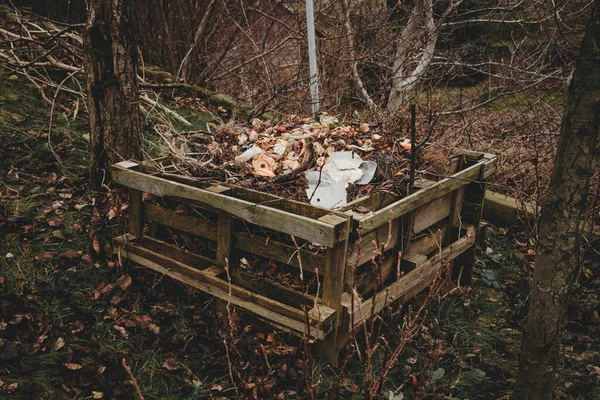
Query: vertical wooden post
224	232
408	221
224	240
136	213
454	218
224	244
136	204
472	212
333	285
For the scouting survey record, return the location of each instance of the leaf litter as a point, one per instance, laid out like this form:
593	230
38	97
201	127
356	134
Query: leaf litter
60	299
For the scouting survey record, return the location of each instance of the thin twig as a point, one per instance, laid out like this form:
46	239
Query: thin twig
132	378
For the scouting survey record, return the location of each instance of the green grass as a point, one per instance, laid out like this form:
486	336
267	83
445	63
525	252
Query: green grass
464	332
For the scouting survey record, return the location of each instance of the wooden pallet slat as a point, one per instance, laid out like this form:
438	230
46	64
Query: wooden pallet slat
303	227
413	201
207	280
244	241
183	222
413	282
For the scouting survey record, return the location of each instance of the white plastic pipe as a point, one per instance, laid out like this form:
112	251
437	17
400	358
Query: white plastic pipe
312	56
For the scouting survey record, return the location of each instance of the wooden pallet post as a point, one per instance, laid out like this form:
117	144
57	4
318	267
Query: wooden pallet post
136	213
453	227
136	204
472	212
224	240
224	232
224	245
333	284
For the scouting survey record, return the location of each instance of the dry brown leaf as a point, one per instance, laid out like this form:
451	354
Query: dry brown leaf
73	366
155	329
70	254
96	244
58	344
58	235
124	282
144	321
171	363
8	389
122	331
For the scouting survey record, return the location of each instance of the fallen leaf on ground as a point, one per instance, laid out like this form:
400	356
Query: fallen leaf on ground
124	282
58	344
171	363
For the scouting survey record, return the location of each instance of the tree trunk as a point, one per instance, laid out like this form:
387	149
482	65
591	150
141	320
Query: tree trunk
358	82
113	105
167	42
558	256
401	80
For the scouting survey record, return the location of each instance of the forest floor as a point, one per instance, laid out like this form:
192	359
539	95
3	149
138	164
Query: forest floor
74	321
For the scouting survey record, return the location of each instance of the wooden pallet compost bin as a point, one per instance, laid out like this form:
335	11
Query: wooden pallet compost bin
438	223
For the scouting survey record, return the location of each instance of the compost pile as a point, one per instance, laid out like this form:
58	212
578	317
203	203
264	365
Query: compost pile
320	161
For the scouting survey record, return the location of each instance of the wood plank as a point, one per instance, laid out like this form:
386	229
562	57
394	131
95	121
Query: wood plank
415	259
365	283
504	210
333	287
427	243
183	222
375	201
136	212
279	252
491	164
433	212
415	200
224	240
472	213
244	241
168	250
338	221
363	249
192	259
281	203
219	189
272	290
128	164
455	218
199	283
333	274
136	206
325	321
268	217
208	276
423	183
413	282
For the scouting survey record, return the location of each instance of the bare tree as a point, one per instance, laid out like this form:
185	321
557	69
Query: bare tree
110	65
420	28
558	255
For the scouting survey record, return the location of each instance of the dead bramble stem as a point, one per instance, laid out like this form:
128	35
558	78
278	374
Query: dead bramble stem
132	378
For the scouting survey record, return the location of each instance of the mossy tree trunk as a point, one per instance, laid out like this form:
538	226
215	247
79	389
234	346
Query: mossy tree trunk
558	256
110	63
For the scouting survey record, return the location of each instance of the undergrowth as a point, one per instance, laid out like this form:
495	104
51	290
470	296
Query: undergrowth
70	313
